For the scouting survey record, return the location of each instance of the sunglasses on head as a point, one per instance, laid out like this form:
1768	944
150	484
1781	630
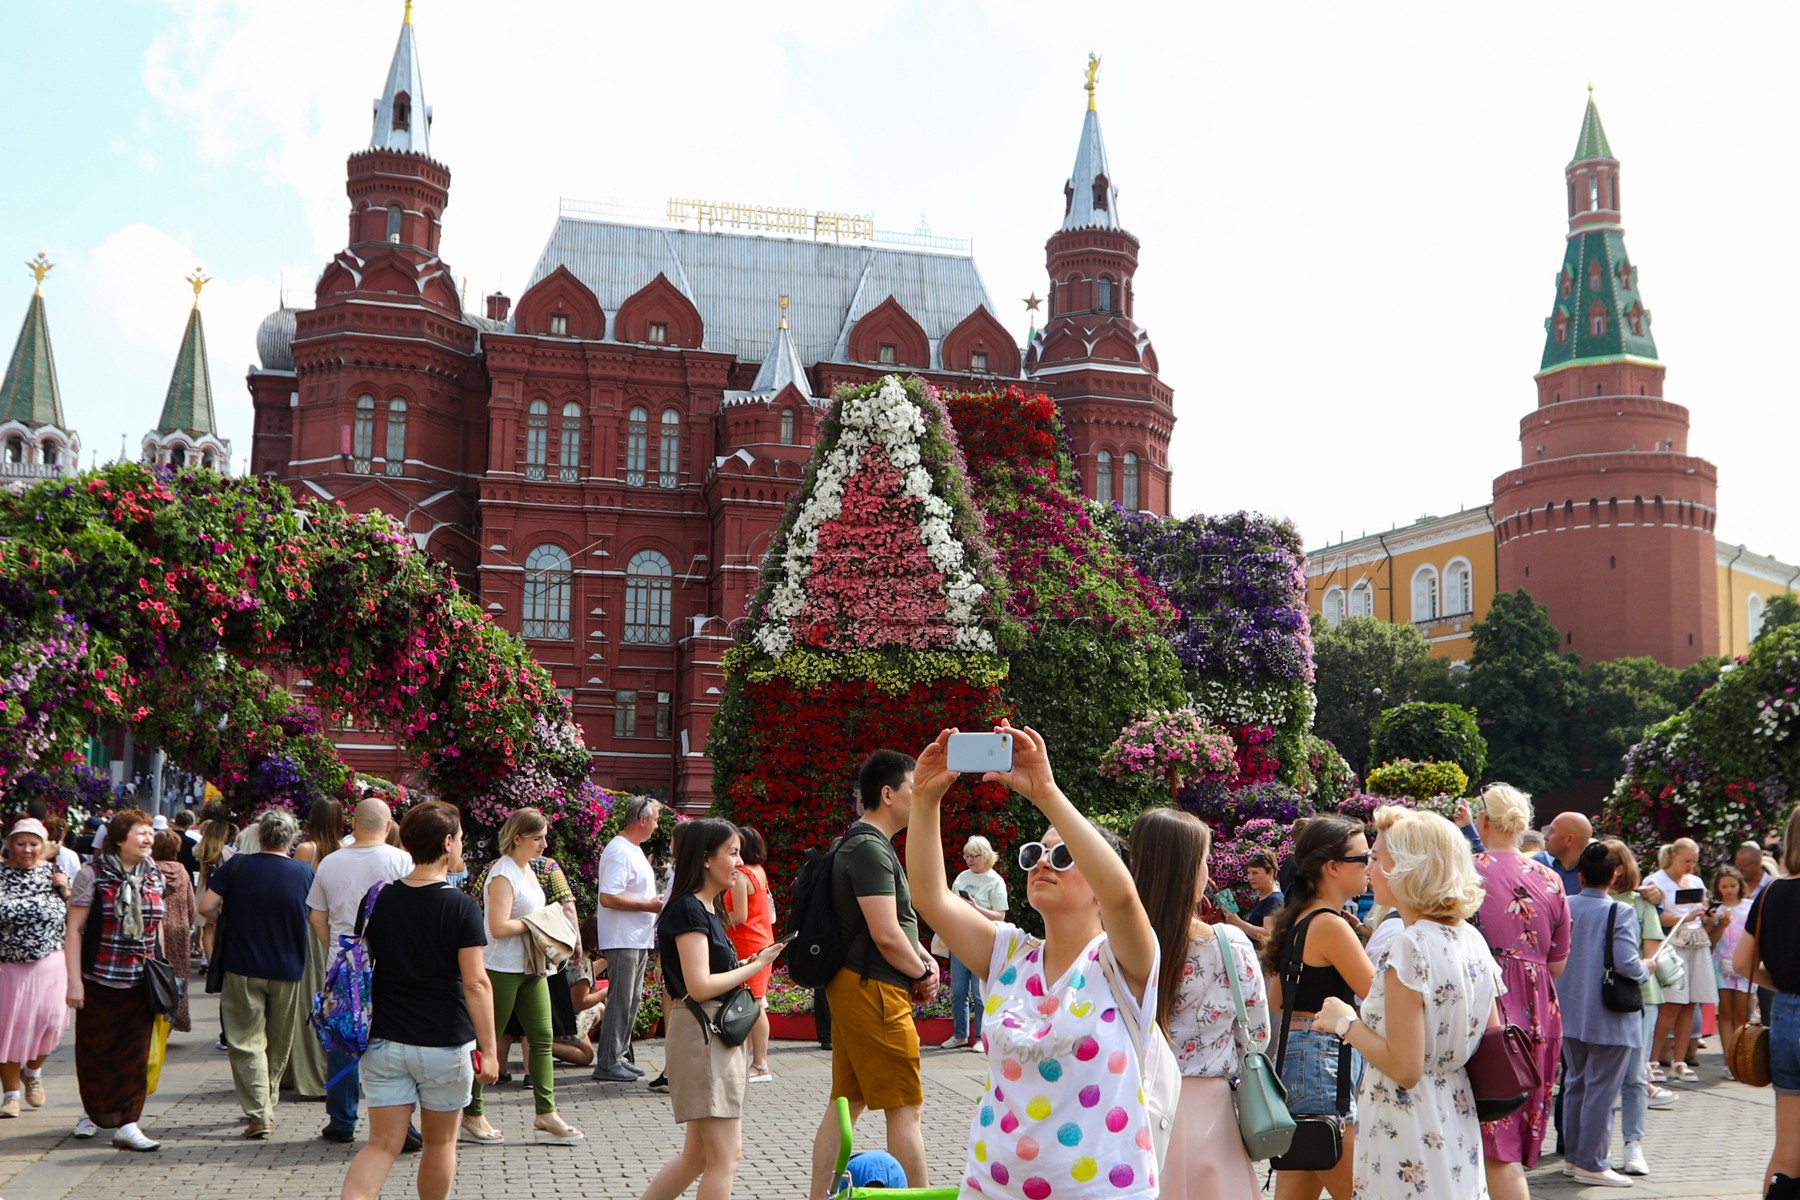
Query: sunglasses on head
1032	853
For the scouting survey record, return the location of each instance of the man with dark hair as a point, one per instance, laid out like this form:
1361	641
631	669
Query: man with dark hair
626	930
874	1044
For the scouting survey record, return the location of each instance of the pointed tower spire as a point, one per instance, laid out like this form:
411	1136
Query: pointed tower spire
402	119
1593	143
188	406
782	365
29	393
1090	201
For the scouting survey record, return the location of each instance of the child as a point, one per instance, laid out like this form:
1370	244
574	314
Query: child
1734	990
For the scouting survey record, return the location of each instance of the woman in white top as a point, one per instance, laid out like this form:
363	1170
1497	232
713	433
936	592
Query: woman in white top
513	892
1063	1113
1675	1020
1195	1006
985	891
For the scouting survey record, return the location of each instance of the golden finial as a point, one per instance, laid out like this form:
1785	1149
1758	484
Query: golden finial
1590	91
40	267
409	12
784	312
1093	69
198	280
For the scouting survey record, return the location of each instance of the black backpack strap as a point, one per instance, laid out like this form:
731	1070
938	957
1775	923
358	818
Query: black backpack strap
868	933
1291	966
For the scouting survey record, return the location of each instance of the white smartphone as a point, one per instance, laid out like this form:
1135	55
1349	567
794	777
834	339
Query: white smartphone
978	753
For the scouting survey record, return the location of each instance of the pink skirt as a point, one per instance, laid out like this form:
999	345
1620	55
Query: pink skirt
34	1007
1207	1160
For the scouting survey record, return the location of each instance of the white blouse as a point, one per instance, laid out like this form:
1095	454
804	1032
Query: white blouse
1203	1022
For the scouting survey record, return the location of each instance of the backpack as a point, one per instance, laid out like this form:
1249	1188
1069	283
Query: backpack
819	946
340	1012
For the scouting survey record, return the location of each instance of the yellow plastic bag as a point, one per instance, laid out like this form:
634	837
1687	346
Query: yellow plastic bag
159	1048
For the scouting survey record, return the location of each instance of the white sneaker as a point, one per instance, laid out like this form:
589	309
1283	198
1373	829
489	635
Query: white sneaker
130	1137
1606	1178
1662	1097
1634	1159
85	1128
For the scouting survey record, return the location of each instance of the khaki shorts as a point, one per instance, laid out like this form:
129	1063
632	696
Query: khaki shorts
874	1043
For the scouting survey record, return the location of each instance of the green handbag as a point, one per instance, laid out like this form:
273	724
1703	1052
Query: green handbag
1256	1091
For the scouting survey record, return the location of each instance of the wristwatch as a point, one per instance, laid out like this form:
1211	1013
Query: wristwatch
923	976
1343	1026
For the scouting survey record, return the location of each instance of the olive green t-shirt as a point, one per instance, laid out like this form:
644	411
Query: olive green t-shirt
866	865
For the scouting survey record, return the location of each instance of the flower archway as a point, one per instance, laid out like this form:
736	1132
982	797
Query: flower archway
161	600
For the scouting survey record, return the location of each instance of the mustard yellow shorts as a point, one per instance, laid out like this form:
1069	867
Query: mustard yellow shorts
874	1043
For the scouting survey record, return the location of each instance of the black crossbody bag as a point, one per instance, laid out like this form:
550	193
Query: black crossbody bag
1318	1139
1619	994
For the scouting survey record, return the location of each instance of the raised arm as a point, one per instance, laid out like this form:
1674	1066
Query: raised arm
1122	914
968	933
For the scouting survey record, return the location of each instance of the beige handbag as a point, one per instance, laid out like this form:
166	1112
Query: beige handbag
550	940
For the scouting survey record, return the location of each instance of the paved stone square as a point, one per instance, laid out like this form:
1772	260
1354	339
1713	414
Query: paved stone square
1712	1144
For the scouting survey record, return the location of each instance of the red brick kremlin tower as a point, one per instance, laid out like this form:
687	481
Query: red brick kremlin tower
1608	520
1091	355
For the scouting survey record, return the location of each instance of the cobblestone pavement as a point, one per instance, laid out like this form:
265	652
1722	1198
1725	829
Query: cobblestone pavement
1712	1144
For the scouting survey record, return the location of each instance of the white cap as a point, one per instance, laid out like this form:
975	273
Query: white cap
159	823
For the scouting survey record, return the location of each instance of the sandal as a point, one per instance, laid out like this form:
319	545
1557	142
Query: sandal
760	1075
479	1137
568	1135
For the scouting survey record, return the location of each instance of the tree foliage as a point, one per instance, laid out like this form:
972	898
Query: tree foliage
1363	665
1403	778
1781	611
1527	693
1445	733
1623	697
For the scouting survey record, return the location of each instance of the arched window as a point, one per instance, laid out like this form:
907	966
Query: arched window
1103	477
1562	328
362	444
787	426
1129	483
1332	607
1597	322
547	589
1362	600
396	437
1755	622
178	456
206	460
569	453
669	452
50	454
637	445
1106	297
1425	594
647	582
1459	588
15	450
537	439
395	212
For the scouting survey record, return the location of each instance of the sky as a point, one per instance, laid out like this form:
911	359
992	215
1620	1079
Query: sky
1350	216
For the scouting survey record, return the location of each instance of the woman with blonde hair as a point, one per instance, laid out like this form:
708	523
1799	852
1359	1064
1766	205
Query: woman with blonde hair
984	890
1422	1020
1693	941
1525	919
511	893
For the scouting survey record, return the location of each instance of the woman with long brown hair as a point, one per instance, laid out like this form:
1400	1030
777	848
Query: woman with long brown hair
1313	947
178	917
216	838
1194	1006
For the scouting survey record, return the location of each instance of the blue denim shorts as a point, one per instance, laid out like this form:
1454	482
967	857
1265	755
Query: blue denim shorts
436	1078
1784	1044
1310	1073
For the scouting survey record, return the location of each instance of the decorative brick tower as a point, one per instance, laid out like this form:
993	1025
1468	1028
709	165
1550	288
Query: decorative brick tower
1091	356
1608	520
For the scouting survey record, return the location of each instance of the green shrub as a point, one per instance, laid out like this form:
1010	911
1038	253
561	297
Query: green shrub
1418	781
1445	733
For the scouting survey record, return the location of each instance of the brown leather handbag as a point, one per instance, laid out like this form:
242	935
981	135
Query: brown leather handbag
1748	1058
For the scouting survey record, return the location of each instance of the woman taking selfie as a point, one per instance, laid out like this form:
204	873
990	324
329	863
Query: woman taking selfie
1422	1021
1065	1091
706	1077
1195	1005
1314	942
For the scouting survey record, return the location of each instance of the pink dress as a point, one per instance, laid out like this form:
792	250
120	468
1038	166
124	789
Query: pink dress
1525	921
1729	979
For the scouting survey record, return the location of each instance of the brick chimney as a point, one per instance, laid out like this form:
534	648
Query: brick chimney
498	305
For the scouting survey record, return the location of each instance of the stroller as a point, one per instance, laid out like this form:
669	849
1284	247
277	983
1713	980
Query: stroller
843	1186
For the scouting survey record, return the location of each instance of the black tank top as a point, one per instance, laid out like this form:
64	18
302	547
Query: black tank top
1316	983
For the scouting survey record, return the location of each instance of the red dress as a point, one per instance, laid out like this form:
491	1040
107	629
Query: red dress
758	927
1525	920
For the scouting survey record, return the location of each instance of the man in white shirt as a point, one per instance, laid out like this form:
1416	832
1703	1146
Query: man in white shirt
625	928
340	884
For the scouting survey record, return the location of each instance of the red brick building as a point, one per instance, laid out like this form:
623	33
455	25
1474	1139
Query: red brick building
603	462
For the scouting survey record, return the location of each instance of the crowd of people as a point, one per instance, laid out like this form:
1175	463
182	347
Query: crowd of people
1367	969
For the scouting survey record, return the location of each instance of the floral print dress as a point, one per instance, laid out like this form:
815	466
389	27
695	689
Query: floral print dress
1426	1140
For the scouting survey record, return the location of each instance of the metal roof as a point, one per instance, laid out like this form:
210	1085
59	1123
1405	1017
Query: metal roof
736	279
188	406
1592	143
782	366
404	75
1090	165
28	392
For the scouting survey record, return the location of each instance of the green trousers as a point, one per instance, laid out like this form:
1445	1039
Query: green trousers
261	1019
530	996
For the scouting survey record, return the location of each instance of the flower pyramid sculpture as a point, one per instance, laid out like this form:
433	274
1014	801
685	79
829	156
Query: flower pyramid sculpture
879	622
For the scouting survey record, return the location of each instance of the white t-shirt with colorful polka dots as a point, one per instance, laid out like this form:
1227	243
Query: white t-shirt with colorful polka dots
1063	1116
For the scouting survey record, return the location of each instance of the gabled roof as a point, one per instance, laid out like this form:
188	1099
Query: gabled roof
730	278
1090	166
404	75
29	394
188	406
1592	143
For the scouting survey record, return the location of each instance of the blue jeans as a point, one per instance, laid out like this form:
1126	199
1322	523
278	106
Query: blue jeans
1635	1101
964	994
341	1097
1784	1043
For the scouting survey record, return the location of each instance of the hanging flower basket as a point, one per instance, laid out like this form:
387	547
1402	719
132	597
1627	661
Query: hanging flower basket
1177	745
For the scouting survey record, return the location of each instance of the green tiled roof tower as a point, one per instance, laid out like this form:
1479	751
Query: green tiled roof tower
29	393
1598	314
188	407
